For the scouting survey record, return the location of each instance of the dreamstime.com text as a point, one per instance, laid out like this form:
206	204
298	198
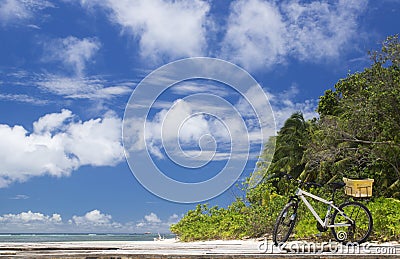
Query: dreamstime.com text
267	246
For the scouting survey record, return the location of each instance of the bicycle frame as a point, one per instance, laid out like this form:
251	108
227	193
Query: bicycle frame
301	194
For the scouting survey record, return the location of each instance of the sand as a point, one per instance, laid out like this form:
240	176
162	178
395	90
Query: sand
171	248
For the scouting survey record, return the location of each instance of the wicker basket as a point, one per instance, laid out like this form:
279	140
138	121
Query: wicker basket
358	188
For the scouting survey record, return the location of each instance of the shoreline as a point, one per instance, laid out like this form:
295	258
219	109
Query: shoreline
169	248
80	237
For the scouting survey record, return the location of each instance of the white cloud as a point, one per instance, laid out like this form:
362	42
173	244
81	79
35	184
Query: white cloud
51	122
20	197
94	221
23	98
152	218
321	29
255	34
187	88
164	28
82	88
94	217
258	33
284	106
71	87
74	53
14	11
190	129
39	222
185	122
153	223
264	33
29	221
174	218
58	145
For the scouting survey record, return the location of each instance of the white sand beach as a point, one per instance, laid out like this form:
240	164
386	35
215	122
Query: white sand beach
173	248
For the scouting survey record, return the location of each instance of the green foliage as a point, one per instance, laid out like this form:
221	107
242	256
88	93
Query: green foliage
291	142
235	222
385	212
306	226
357	135
205	223
328	103
239	220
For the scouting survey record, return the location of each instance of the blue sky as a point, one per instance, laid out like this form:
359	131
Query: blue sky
68	69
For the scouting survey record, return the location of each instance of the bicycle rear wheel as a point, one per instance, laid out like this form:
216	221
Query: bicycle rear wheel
285	223
357	232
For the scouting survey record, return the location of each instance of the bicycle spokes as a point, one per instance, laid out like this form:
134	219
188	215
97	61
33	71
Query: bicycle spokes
355	230
285	223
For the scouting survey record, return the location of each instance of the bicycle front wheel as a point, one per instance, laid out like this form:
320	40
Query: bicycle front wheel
360	228
285	223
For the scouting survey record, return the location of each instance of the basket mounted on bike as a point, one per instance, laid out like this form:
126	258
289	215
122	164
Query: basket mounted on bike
359	188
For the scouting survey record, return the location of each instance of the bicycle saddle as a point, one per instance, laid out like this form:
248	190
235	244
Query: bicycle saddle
336	185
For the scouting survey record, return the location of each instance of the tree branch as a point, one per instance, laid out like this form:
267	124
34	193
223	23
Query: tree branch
369	142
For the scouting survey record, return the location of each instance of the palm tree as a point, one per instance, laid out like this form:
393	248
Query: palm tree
291	142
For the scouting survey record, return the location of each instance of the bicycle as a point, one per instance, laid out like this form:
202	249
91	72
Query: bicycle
351	222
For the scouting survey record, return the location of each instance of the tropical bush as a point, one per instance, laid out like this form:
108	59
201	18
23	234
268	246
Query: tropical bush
236	222
357	135
386	215
240	221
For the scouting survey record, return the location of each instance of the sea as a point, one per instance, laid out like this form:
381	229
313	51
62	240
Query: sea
68	237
